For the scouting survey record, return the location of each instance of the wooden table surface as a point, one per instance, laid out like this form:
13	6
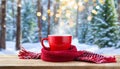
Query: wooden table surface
13	62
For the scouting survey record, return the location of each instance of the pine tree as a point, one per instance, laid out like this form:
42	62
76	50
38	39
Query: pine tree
11	20
29	22
104	24
84	36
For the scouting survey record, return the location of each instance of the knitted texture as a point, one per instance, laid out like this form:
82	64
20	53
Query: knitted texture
24	54
96	58
66	55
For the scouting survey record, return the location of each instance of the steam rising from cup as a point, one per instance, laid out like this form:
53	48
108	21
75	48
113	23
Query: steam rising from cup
61	29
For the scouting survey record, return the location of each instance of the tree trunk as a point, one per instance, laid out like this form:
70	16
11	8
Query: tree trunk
0	25
39	10
76	35
18	34
48	18
3	25
55	11
56	6
119	11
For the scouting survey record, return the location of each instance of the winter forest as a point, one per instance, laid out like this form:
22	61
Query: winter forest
92	23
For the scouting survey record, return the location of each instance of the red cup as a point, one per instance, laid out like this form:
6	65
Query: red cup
57	42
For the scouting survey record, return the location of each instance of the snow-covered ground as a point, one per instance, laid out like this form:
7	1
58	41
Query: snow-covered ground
36	47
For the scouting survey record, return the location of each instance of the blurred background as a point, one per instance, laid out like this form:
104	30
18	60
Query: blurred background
91	22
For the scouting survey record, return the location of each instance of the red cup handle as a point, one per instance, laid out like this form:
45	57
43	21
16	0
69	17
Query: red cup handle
42	42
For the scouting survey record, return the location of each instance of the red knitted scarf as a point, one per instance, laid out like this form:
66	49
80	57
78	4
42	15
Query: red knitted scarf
66	55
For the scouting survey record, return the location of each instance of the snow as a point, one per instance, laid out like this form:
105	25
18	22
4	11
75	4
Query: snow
36	47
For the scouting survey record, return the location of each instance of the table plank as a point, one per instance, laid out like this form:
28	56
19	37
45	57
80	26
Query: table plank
13	62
